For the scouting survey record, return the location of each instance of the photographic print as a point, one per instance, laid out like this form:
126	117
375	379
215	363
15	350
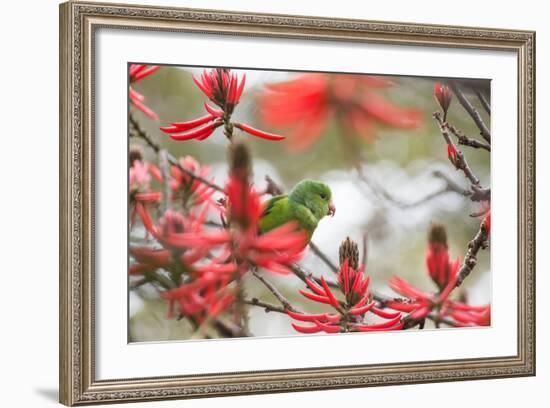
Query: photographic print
274	203
262	218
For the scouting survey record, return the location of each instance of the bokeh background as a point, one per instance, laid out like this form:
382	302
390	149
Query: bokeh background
399	162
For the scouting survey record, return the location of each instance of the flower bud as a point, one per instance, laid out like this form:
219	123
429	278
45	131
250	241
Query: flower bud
244	202
350	251
437	255
437	234
486	223
240	162
443	96
451	154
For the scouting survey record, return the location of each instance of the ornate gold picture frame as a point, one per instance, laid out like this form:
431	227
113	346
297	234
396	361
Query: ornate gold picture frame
79	23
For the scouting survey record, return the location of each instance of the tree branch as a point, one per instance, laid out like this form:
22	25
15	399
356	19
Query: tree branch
465	140
461	162
451	186
476	193
165	174
484	102
267	306
272	187
284	301
483	129
470	260
321	255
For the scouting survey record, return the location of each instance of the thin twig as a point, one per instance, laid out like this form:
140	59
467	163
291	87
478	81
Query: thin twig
476	193
365	257
138	283
410	322
484	102
165	176
284	301
451	185
465	140
466	104
267	306
461	162
272	187
321	255
378	190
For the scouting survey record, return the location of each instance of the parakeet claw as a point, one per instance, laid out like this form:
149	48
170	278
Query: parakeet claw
331	209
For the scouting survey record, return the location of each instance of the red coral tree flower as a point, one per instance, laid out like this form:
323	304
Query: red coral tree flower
201	286
137	72
305	104
440	268
140	182
204	298
444	273
172	231
224	88
188	189
349	314
140	179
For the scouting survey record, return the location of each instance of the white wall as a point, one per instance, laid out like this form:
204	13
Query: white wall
28	220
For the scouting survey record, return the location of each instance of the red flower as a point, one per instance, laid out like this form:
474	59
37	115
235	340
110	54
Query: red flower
444	273
421	304
224	89
149	260
139	184
349	313
203	298
452	155
307	102
485	212
486	223
137	72
440	268
189	189
443	96
199	133
175	231
139	180
258	133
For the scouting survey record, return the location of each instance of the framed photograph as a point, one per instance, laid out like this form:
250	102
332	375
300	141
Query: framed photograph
264	203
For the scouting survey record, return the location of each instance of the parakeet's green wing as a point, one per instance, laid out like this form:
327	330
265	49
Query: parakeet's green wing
276	213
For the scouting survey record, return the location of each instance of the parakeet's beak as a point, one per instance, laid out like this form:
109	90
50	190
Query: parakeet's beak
331	209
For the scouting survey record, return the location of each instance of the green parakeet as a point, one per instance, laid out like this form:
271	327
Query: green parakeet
307	203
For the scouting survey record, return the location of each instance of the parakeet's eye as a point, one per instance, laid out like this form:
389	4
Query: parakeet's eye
323	196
